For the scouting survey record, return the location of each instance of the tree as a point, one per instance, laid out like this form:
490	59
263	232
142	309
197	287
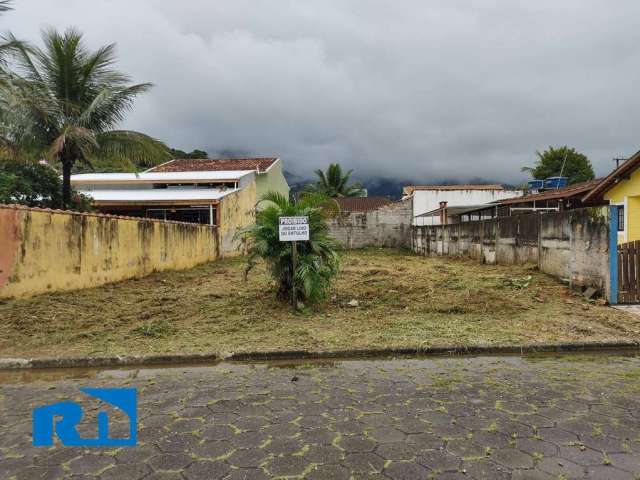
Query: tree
63	102
195	154
333	183
35	185
30	184
7	42
577	166
317	259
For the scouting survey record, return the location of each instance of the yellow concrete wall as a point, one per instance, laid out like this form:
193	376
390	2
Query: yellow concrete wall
628	191
237	210
46	251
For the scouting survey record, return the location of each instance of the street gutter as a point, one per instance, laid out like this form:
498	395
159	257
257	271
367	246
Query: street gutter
406	352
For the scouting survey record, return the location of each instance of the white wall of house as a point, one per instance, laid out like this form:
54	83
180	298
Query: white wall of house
428	200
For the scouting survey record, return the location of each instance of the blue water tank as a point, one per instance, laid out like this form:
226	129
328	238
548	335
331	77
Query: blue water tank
556	182
536	184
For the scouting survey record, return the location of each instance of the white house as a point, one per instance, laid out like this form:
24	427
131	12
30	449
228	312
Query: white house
188	190
427	198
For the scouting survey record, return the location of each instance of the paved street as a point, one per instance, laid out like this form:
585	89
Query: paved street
444	418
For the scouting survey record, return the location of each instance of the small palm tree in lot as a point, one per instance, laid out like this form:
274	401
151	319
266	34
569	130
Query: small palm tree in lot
317	258
64	101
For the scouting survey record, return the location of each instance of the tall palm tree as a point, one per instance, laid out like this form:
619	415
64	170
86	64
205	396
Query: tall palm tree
7	41
333	183
64	101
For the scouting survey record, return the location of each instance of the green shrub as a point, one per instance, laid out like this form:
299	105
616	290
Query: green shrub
317	259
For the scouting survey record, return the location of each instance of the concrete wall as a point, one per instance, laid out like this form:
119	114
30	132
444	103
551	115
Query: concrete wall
428	200
571	245
236	211
389	226
46	251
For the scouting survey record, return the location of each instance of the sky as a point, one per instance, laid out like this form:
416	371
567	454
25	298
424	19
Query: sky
408	89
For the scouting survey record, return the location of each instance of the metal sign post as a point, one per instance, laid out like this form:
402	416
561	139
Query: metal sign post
293	229
294	266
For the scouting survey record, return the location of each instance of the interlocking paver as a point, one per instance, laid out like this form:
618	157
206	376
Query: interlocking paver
444	418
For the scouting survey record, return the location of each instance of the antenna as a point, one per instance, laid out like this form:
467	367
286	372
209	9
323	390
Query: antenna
562	169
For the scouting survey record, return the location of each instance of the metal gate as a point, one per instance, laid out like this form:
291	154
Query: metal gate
629	272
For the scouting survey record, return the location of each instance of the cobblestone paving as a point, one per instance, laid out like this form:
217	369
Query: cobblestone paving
445	418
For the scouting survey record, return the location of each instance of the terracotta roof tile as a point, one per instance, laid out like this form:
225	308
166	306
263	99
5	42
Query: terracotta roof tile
215	164
362	204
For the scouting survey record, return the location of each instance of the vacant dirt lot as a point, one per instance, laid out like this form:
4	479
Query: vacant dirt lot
402	300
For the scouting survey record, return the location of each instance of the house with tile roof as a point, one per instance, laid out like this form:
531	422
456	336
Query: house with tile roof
268	171
182	189
217	192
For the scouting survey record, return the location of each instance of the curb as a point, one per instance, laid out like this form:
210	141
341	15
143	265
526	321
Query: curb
196	358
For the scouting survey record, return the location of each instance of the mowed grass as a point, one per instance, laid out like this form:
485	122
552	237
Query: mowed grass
403	300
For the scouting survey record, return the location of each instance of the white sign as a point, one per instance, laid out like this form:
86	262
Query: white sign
293	229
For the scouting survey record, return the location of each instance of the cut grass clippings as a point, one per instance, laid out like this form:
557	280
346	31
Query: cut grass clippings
402	300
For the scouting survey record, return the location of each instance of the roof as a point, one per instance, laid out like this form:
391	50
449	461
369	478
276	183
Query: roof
259	164
156	195
455	210
608	182
362	204
409	189
555	194
150	177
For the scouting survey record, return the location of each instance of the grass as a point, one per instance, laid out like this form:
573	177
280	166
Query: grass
403	300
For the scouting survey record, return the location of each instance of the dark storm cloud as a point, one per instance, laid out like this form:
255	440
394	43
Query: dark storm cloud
412	89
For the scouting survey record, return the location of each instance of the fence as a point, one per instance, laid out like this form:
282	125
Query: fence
572	245
629	272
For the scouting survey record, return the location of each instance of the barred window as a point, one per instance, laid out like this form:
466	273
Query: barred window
621	218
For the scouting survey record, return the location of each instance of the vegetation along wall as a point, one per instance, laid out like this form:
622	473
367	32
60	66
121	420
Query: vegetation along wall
45	251
572	245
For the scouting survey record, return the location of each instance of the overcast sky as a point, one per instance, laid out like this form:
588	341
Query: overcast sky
411	89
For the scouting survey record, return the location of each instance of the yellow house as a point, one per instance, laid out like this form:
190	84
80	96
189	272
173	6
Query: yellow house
622	188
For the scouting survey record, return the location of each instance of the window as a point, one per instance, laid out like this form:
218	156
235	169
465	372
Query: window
621	218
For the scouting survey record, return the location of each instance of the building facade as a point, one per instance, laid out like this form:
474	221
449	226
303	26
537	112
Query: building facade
427	198
622	188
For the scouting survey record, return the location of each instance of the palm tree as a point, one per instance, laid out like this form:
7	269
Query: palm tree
64	102
317	258
7	42
333	183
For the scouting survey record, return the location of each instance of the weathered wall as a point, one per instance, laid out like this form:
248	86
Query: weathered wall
236	211
570	245
45	251
389	226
